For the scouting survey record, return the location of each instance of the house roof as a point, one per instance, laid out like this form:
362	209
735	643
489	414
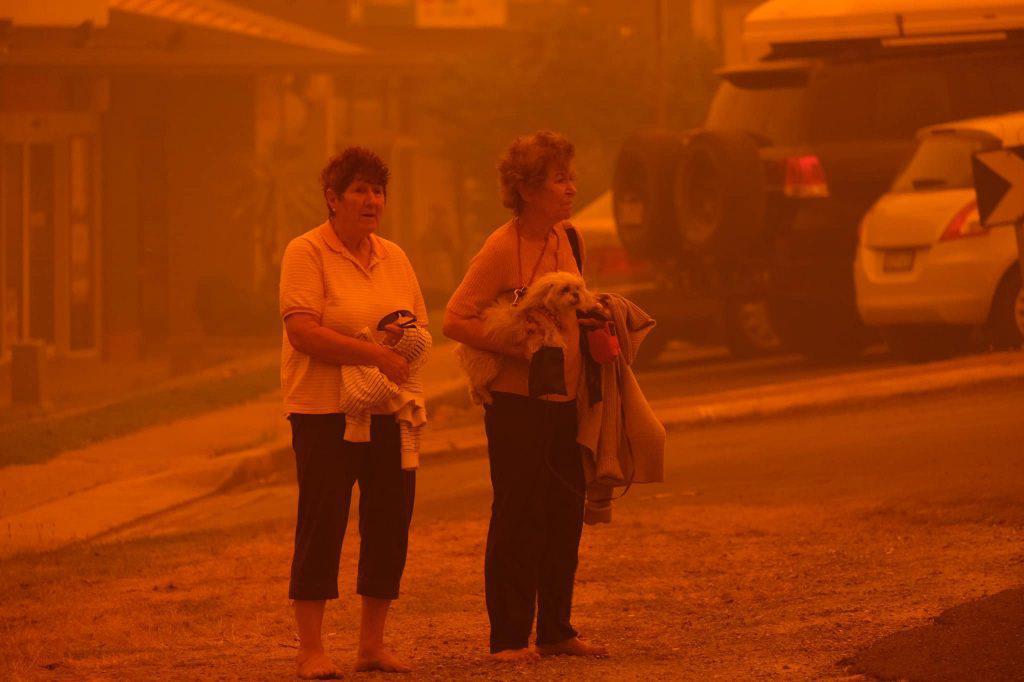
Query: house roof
177	35
224	16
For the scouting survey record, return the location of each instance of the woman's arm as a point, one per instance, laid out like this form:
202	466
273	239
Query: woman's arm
480	287
308	336
471	332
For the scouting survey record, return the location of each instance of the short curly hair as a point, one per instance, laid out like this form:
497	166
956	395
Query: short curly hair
355	163
526	164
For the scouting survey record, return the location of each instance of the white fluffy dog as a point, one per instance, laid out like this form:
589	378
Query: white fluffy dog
534	322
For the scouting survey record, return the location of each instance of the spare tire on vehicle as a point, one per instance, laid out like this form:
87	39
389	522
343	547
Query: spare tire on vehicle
642	194
718	192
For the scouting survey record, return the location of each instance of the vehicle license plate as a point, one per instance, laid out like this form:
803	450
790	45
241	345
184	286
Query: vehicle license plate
898	261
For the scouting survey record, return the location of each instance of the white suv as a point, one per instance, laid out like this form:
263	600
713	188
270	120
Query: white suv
927	273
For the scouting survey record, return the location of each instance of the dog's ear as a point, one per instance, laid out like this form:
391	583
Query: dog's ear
538	293
550	294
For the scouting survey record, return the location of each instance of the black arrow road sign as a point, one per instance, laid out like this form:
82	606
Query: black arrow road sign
999	184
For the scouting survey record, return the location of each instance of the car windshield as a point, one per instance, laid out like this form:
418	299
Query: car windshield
775	114
942	161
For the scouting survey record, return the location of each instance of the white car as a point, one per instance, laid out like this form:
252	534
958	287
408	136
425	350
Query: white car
927	273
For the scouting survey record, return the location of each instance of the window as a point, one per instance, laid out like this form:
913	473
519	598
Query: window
81	248
989	84
942	161
49	289
876	101
774	113
41	243
892	98
12	302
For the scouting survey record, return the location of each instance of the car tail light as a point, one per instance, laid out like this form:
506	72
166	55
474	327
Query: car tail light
960	226
805	177
614	264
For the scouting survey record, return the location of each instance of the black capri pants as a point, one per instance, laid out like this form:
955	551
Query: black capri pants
327	466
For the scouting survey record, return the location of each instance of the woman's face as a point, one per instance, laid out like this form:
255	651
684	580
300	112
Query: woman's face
554	198
359	207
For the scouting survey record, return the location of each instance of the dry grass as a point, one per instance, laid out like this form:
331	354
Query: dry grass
41	439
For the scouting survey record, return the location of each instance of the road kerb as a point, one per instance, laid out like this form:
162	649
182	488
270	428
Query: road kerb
104	509
99	510
74	519
817	393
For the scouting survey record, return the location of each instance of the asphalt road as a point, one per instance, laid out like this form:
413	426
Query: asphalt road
927	449
818	545
885	539
936	455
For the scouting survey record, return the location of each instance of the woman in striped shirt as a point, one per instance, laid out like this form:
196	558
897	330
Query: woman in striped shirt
337	281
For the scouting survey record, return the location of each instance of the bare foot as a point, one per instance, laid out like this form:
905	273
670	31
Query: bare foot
315	665
572	647
382	660
515	656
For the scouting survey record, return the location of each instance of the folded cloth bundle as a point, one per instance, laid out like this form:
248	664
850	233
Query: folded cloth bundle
622	440
365	390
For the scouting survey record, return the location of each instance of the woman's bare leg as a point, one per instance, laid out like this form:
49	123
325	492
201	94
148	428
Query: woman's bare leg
312	663
372	653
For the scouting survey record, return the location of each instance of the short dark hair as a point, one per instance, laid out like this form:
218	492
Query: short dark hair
355	163
526	164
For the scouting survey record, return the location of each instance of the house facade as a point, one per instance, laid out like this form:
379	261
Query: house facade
143	154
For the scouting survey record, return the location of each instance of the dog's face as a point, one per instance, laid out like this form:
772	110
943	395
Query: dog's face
561	291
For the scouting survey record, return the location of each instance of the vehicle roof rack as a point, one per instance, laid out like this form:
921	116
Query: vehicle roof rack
884	22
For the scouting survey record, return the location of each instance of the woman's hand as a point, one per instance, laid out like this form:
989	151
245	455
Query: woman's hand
393	333
472	332
393	365
592	322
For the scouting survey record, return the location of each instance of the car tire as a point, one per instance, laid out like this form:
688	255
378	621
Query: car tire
1006	321
718	193
924	343
642	194
749	331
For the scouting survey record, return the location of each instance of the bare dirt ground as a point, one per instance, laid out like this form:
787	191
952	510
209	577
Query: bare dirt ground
777	550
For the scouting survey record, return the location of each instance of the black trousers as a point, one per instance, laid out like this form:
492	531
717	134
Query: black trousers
327	466
536	519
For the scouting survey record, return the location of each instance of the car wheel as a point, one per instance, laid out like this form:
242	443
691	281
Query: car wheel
1007	319
926	342
749	331
718	192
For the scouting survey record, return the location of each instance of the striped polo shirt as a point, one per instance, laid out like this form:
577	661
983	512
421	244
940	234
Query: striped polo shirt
321	277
